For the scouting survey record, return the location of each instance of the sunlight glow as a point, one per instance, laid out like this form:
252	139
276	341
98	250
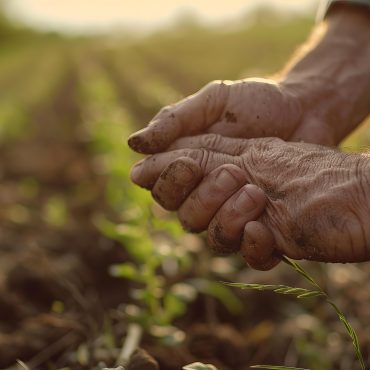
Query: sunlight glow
104	15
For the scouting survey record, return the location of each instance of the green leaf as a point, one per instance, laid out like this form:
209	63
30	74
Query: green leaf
253	286
199	366
272	367
351	333
313	293
279	289
125	270
133	238
305	293
340	314
173	307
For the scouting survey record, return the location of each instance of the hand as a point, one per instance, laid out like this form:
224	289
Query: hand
316	206
245	109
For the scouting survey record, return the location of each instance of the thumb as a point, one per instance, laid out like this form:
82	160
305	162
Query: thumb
189	116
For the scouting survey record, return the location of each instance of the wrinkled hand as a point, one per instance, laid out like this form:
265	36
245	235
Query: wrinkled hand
312	209
246	109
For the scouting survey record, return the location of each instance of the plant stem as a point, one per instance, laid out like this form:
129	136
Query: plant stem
351	332
132	340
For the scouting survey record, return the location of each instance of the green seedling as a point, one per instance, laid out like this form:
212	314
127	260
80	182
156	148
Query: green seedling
156	255
305	293
299	293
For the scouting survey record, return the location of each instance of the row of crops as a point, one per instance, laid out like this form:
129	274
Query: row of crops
173	304
29	77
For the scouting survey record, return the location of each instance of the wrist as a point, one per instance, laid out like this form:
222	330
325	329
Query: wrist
331	78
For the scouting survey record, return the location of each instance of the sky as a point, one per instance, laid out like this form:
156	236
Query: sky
86	16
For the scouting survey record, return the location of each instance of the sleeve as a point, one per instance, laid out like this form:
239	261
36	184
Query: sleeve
326	5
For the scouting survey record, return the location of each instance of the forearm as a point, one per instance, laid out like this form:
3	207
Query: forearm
331	73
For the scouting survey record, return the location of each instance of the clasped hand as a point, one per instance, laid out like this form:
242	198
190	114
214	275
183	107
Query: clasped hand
263	196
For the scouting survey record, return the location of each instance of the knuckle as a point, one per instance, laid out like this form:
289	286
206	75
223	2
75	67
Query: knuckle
211	140
212	85
215	95
209	90
217	87
235	173
201	156
165	110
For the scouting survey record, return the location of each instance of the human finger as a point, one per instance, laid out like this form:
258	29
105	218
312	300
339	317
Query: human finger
200	206
187	117
146	172
257	247
176	182
226	228
214	142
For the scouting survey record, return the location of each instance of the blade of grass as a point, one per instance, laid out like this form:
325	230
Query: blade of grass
279	289
304	293
351	332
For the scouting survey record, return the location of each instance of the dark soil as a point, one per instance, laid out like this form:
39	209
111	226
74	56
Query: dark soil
57	300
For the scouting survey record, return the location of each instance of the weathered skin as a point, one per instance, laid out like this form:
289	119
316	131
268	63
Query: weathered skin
321	96
245	108
318	199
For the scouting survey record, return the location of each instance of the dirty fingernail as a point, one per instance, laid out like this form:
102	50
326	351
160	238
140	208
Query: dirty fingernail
249	199
134	140
226	180
184	174
139	142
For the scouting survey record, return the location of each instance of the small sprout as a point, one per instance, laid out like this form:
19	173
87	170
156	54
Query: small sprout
304	293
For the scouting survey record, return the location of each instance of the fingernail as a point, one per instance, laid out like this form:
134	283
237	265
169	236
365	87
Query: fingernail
139	143
226	180
136	172
184	174
247	199
133	141
247	242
